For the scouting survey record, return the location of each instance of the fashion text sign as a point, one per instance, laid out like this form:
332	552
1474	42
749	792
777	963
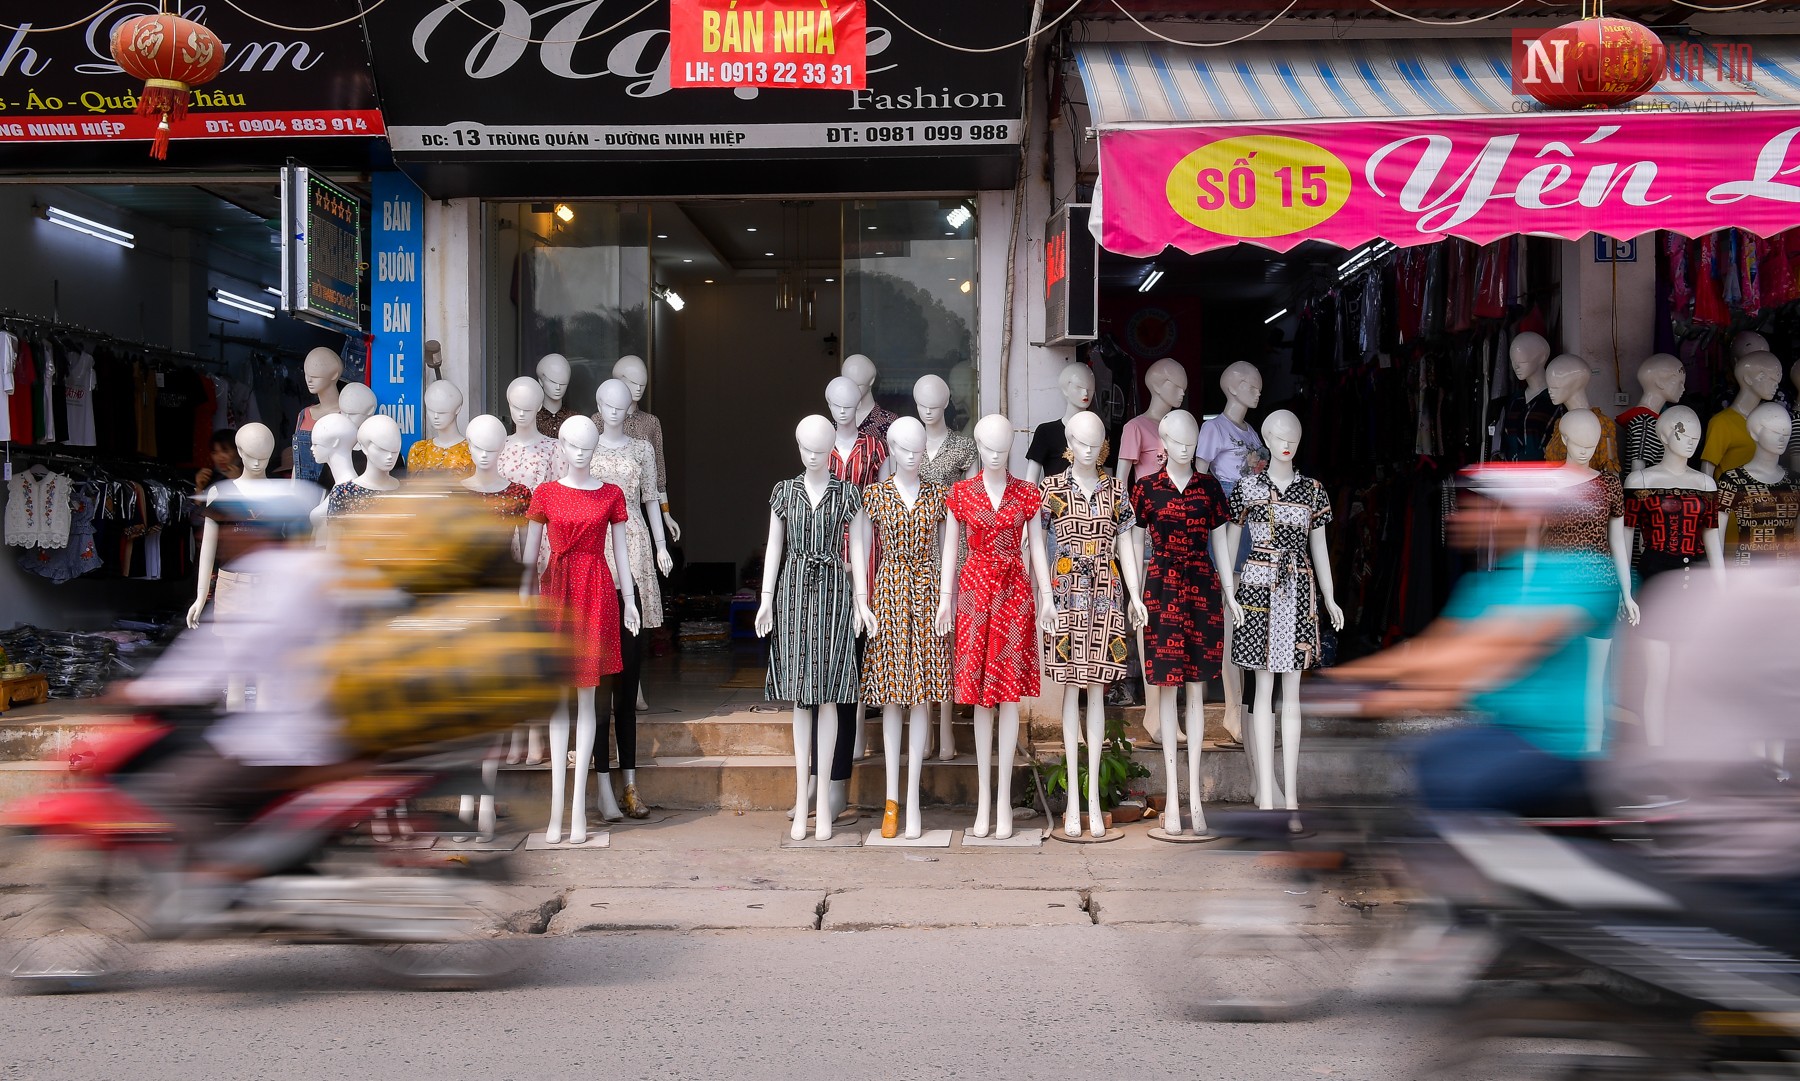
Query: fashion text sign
1416	181
780	44
397	300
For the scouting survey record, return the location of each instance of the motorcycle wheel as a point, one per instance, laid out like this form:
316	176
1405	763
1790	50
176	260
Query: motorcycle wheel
79	932
468	952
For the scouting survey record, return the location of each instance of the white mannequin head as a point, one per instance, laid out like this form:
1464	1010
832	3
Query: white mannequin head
813	436
1086	435
1662	376
1771	427
931	395
553	376
323	369
861	371
1529	353
1748	342
993	442
357	402
906	446
1567	377
486	435
841	399
579	437
1679	429
613	401
442	402
1076	381
1180	435
255	446
333	435
1281	433
1242	383
1167	381
635	374
524	397
1581	434
379	440
1759	373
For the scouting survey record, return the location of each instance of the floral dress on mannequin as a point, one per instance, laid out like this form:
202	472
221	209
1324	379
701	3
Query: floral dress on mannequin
578	589
812	656
633	469
908	662
528	464
1276	587
1088	645
425	456
996	617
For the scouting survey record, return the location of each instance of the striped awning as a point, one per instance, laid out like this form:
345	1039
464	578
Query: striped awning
1133	84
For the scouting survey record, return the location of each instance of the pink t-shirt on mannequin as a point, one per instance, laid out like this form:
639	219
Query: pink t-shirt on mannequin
1140	442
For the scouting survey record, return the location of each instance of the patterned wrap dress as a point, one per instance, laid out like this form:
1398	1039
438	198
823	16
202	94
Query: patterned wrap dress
1277	587
348	498
1184	642
426	456
1088	644
812	657
578	589
633	468
996	616
528	464
908	662
955	457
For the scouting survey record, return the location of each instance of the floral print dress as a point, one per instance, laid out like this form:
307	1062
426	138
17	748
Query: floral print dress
908	662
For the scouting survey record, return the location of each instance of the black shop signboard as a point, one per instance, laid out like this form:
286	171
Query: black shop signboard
65	105
524	98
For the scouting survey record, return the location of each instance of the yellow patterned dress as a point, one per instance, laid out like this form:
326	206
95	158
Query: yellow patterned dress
908	663
427	457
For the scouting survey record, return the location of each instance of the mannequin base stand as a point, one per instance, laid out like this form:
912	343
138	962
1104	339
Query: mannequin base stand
1026	838
504	842
1160	834
1086	837
928	839
596	840
848	839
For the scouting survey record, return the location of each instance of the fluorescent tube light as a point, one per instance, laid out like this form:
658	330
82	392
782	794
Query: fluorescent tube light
958	216
58	216
243	303
1274	317
1150	280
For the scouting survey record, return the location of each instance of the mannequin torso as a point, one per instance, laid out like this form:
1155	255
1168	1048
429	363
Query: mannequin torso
1085	512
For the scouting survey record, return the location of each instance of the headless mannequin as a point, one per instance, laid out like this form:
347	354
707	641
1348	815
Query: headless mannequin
486	436
1087	435
578	438
842	399
1529	354
323	368
636	376
993	444
814	437
1243	387
1758	376
1180	432
931	395
1168	383
1662	380
1281	432
524	397
1076	382
906	450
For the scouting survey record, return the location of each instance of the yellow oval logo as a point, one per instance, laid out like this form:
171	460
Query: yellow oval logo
1258	185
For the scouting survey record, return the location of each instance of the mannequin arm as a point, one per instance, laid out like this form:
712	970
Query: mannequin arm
1127	470
534	537
209	551
668	520
1714	540
1711	469
627	588
1618	536
1321	561
862	538
1037	565
1225	560
653	517
1131	570
765	612
947	575
1034	473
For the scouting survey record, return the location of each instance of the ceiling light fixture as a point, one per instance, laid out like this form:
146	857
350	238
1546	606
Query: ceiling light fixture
751	229
770	254
58	216
1274	317
831	279
271	290
958	216
871	228
671	298
564	213
709	281
243	303
1150	279
662	236
965	286
687	260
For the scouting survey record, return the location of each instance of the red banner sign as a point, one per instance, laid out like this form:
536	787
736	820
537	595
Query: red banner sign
777	44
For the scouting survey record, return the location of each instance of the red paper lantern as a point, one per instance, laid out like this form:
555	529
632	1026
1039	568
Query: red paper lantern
1597	62
172	55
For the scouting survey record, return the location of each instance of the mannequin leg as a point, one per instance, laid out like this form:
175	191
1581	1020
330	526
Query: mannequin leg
534	744
803	757
1262	732
1598	650
515	751
891	734
586	723
829	738
1071	725
859	734
1152	703
1196	708
1009	750
1290	737
1171	817
1231	678
849	722
620	705
946	749
1096	737
984	761
1657	658
559	768
918	746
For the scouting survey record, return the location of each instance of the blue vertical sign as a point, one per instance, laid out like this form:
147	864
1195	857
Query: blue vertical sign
397	302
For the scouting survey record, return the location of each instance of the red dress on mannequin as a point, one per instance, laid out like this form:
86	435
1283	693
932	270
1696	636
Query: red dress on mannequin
578	586
996	617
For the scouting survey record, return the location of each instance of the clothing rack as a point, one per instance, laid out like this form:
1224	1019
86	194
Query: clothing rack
13	319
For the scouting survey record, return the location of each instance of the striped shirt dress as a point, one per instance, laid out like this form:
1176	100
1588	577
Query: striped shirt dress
812	656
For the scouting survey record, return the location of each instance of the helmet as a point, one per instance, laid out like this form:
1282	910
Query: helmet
428	537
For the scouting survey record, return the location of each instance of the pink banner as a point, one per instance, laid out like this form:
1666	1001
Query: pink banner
1416	181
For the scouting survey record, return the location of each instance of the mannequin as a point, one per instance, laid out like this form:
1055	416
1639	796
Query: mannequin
333	440
642	425
1087	518
357	402
486	439
810	601
323	369
1187	517
995	619
379	440
1141	455
860	460
1047	453
871	418
579	513
1793	451
1729	443
1530	416
1759	502
553	378
949	457
446	451
1567	377
1674	505
525	460
631	465
1287	572
255	446
1662	380
1229	449
1747	342
907	664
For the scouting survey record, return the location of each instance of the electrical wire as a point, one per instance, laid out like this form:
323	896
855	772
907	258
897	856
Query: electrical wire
1046	28
232	4
1452	22
1733	7
27	28
1216	44
502	32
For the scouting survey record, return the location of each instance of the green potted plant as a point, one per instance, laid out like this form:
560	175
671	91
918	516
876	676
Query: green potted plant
1117	770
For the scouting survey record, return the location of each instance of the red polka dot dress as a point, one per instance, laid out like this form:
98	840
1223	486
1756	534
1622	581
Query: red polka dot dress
578	587
996	617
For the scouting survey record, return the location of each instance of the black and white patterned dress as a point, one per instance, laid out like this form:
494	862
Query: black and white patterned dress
812	657
1277	587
